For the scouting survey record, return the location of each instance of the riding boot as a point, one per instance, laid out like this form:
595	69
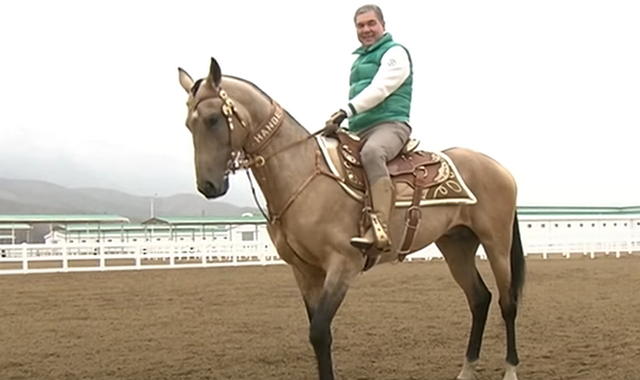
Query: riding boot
382	199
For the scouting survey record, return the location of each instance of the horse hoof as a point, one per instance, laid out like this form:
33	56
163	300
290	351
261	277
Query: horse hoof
468	371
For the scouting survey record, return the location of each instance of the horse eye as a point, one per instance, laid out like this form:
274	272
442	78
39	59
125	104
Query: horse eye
212	120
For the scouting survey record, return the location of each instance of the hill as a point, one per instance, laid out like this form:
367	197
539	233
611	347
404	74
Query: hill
41	197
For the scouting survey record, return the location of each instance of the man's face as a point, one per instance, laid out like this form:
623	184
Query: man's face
369	28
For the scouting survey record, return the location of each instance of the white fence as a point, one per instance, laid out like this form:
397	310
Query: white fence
82	257
48	258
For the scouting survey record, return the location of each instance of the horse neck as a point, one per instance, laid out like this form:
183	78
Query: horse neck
290	160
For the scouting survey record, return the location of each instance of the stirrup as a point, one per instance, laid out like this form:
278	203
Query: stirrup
382	239
364	242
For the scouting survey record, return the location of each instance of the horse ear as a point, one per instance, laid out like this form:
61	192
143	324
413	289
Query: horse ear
215	74
185	79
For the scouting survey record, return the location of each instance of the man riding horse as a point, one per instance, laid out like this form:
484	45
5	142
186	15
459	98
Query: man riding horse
381	86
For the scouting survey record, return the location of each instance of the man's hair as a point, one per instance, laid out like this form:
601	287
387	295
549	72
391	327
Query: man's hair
369	8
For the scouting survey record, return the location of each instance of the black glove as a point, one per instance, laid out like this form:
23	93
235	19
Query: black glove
332	125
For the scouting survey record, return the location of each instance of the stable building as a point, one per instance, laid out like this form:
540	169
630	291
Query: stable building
23	228
245	228
544	229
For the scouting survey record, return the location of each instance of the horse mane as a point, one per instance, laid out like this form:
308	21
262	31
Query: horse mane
255	87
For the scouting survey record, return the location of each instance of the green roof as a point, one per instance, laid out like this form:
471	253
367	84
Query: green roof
62	218
14	226
578	210
199	220
88	221
136	227
522	210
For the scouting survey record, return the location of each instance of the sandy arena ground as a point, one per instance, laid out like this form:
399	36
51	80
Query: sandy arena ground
580	320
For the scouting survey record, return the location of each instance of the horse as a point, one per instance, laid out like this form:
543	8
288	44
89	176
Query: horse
312	183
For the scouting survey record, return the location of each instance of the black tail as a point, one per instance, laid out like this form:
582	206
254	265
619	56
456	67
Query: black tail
518	262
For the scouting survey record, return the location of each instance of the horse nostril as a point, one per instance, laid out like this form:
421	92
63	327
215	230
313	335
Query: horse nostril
206	187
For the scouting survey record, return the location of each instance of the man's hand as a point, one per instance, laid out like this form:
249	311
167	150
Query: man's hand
337	118
332	125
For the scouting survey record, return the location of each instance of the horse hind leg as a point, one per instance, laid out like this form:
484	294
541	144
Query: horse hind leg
458	248
506	257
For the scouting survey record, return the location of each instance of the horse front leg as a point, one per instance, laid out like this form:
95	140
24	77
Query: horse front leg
323	294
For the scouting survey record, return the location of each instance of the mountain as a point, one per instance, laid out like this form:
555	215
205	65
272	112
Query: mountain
135	173
42	197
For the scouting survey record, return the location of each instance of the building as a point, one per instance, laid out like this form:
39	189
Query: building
246	228
15	229
581	229
544	229
11	233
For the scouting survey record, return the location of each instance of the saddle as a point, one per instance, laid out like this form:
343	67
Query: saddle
407	167
420	178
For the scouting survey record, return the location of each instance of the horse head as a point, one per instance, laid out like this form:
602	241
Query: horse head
225	131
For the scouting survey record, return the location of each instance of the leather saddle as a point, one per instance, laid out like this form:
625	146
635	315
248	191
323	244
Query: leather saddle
405	167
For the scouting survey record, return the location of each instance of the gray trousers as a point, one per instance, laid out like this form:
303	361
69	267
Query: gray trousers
381	143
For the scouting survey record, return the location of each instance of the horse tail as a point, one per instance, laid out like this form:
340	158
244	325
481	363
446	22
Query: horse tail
518	262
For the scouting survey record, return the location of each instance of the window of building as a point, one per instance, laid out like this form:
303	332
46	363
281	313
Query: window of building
247	236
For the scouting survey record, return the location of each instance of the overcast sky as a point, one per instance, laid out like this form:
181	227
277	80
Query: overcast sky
549	88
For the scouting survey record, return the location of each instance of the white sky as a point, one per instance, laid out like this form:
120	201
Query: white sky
549	88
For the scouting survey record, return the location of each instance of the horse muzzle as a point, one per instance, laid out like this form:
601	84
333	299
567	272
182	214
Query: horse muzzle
211	190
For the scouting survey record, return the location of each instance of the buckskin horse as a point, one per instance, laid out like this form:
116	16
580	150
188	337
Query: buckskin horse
315	193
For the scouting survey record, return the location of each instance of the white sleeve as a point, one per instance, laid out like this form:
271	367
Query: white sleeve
394	70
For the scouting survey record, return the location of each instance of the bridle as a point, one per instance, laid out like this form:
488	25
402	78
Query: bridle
249	155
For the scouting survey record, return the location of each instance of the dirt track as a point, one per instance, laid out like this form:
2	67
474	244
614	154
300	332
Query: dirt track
580	320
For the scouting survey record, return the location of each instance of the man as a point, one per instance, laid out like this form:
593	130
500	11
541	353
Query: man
378	111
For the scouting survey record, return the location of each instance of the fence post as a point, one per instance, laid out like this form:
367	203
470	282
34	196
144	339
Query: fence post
25	259
65	258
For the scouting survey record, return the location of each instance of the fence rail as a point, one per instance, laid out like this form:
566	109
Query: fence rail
50	258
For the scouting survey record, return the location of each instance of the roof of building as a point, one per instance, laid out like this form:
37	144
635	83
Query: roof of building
62	218
83	221
137	227
578	210
200	220
14	226
522	210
